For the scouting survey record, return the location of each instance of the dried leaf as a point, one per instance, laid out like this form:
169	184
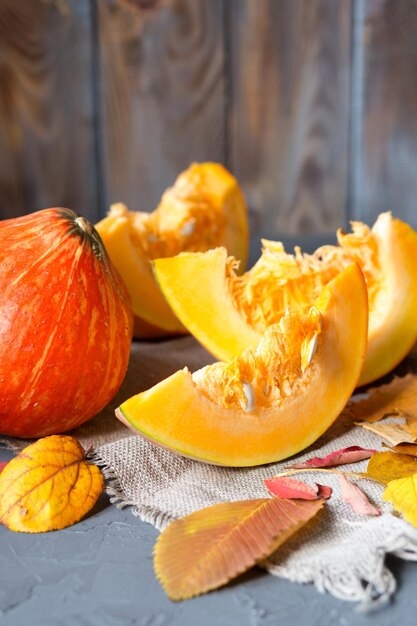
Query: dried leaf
356	498
403	448
387	466
394	433
284	487
399	397
48	486
324	491
3	465
411	421
402	493
353	454
206	549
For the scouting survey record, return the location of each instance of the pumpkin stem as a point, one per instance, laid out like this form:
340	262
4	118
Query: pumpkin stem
87	231
84	225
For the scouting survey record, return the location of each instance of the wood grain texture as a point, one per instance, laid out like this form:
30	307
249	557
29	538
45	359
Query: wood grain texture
46	135
107	100
387	179
162	93
289	111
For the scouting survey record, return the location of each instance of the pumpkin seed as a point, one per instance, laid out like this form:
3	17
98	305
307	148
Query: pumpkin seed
312	348
249	405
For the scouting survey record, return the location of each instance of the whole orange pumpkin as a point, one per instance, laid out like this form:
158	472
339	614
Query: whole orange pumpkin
65	324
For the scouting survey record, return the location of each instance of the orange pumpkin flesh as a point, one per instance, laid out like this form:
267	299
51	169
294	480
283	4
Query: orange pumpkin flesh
205	208
227	312
65	324
387	255
271	402
136	271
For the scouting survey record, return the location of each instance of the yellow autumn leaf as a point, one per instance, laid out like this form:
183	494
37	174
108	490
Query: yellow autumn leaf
48	486
402	493
206	549
388	466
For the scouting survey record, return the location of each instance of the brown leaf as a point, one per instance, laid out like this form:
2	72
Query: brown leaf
387	466
394	433
353	454
399	397
48	486
206	549
356	498
411	421
403	448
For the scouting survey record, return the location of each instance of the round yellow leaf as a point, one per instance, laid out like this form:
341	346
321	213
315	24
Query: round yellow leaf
48	486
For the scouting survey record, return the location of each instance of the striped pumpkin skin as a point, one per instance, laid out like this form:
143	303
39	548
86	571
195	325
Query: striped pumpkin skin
65	324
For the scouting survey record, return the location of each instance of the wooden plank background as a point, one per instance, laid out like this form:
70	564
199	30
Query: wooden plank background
289	113
163	91
311	103
47	134
386	152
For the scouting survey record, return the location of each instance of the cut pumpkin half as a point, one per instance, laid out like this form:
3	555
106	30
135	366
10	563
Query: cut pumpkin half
227	312
205	208
272	401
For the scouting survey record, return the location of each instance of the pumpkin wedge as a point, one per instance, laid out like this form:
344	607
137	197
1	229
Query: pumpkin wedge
227	312
205	208
272	401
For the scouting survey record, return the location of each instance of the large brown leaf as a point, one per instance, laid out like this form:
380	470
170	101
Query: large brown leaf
206	549
394	433
399	397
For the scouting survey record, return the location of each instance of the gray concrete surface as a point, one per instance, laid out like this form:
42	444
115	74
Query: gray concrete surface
99	573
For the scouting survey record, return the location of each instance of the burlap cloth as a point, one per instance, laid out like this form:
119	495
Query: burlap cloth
339	552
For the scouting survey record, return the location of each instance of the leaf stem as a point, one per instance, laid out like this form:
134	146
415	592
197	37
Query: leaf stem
324	469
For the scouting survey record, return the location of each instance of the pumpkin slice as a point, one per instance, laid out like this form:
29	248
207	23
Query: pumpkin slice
205	208
268	403
227	312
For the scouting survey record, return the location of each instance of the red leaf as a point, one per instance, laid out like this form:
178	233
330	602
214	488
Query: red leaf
324	491
3	465
290	488
356	499
339	457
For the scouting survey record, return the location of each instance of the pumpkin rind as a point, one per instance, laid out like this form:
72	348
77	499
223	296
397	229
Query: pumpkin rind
176	415
147	300
65	324
395	331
